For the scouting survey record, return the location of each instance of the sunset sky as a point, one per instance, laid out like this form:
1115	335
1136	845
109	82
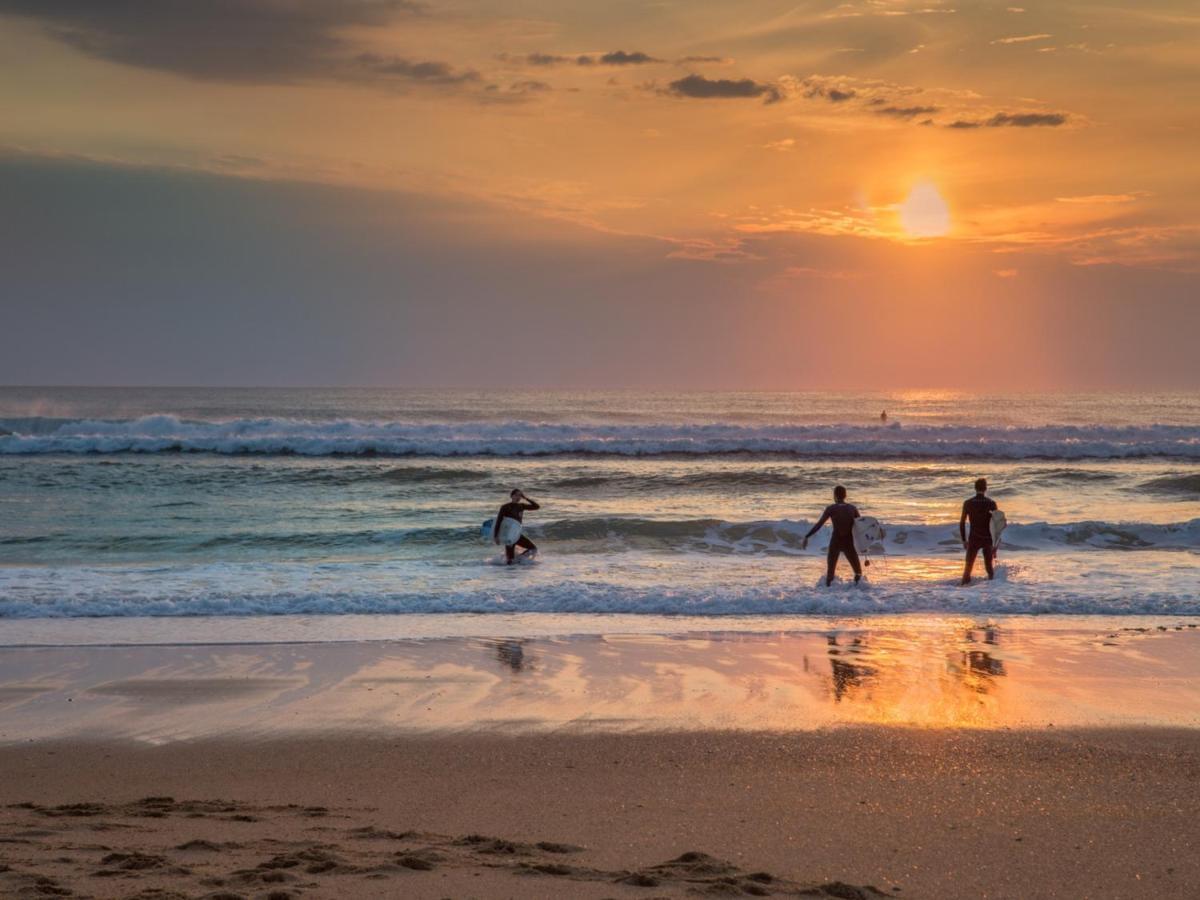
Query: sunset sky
557	193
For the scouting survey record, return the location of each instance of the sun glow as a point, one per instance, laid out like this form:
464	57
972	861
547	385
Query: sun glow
924	213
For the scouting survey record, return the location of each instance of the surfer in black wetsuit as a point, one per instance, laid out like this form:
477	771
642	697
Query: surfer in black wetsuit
979	510
515	509
842	514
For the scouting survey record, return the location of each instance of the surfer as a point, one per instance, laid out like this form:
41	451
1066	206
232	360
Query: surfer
883	416
842	515
515	509
979	510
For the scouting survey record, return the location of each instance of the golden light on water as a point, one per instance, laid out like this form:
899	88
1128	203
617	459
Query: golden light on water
924	213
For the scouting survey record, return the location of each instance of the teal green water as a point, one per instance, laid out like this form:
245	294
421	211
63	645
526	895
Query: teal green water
168	502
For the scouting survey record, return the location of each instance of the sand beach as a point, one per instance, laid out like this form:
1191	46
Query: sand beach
796	764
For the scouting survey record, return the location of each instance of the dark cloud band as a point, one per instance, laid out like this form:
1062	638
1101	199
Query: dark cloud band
1013	120
699	87
220	40
621	58
907	112
612	58
1026	120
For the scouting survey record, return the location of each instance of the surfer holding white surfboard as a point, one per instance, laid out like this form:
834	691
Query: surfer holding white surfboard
508	524
983	514
842	515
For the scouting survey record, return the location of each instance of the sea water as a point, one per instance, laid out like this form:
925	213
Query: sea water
318	503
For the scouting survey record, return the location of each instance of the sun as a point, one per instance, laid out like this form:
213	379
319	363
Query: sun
924	213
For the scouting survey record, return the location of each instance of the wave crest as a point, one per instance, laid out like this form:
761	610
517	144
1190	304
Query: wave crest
613	534
349	437
1174	484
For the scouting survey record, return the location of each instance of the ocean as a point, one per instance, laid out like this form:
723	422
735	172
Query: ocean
315	503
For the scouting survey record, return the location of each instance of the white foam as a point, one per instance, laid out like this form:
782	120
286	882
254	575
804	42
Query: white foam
688	584
784	536
163	433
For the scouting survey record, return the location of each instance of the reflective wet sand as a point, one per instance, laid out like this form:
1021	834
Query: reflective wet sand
928	673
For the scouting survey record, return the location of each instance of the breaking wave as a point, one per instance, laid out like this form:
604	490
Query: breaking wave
785	536
1181	485
345	589
610	534
165	433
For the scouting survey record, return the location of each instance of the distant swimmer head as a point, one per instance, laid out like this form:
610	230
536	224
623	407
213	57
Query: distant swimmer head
839	493
981	485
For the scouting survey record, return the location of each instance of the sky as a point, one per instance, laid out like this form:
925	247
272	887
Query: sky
558	193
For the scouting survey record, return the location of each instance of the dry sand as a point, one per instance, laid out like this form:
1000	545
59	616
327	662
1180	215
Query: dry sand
914	813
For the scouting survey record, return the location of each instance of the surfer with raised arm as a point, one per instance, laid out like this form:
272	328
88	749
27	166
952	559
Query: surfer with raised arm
508	526
842	515
978	510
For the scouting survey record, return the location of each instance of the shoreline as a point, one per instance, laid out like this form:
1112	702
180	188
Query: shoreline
292	628
955	672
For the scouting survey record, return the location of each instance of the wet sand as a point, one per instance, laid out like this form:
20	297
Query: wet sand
950	672
948	760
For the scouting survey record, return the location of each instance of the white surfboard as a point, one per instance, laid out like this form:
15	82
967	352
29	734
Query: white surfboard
867	532
510	530
998	524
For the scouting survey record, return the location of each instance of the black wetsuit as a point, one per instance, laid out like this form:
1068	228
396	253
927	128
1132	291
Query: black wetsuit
978	510
514	510
842	541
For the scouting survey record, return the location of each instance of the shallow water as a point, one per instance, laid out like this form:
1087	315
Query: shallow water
137	502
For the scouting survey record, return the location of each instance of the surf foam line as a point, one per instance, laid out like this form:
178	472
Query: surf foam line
609	534
785	535
326	590
165	433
